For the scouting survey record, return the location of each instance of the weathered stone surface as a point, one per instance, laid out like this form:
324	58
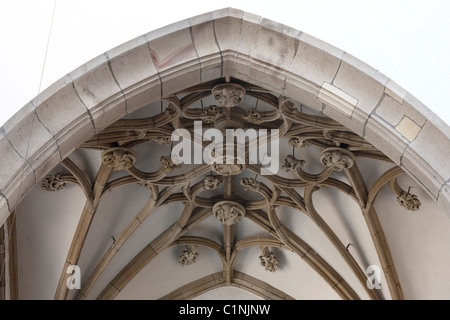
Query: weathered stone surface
207	51
434	148
444	198
392	112
355	77
379	133
315	60
61	109
26	127
337	99
408	128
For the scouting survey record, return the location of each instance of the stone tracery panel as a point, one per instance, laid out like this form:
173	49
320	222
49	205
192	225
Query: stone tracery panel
302	130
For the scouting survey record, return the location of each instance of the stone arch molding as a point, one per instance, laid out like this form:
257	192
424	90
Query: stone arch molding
226	43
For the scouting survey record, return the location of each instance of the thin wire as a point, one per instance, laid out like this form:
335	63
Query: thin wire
256	175
13	214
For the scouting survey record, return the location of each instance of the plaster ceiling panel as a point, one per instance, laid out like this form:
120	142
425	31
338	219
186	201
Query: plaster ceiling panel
372	169
46	225
308	231
224	293
344	217
87	160
294	277
158	221
116	210
247	229
164	274
418	241
209	228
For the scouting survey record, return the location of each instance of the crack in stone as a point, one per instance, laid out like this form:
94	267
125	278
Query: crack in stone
218	47
7	201
48	130
196	52
12	146
81	100
296	45
117	82
373	113
25	159
338	69
39	119
156	67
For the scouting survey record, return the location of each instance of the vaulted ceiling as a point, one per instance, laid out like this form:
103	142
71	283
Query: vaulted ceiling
334	214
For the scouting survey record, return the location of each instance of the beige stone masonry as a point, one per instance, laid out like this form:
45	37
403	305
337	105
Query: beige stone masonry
4	209
396	92
433	146
393	112
59	110
176	60
12	164
337	99
136	75
312	52
408	128
100	90
385	137
206	47
360	81
26	127
444	197
235	46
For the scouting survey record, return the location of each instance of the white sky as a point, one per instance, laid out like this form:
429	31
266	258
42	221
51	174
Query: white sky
407	40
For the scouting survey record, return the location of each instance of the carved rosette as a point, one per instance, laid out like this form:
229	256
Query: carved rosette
52	182
253	116
299	143
268	260
409	201
229	95
251	184
337	159
292	164
211	113
211	182
228	212
188	256
119	158
168	165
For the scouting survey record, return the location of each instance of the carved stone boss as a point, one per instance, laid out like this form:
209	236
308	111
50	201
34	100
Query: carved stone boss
228	212
188	256
337	159
119	158
52	182
268	260
229	94
409	201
